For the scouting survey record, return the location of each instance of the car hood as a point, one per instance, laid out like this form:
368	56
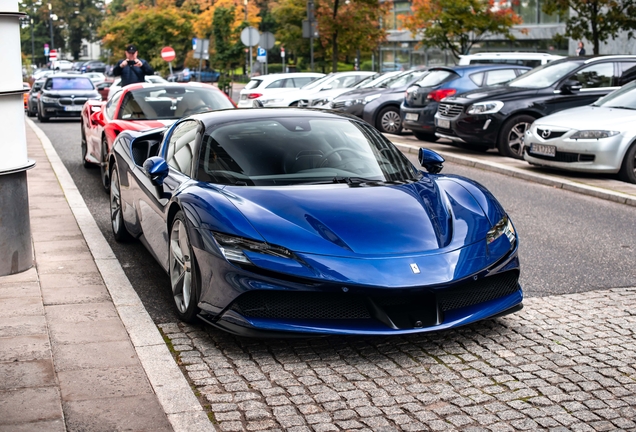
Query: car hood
490	93
591	117
340	220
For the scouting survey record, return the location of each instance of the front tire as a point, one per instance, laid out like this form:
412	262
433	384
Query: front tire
104	165
41	118
511	137
120	232
628	167
183	271
423	136
389	121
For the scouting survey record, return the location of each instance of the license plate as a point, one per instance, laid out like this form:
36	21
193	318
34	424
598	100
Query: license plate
411	116
73	108
544	150
444	124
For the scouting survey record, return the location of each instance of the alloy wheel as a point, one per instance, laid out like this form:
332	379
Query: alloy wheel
391	121
180	266
515	138
115	203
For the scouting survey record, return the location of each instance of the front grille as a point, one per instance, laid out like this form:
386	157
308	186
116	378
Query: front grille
301	305
566	157
449	110
479	291
72	101
548	134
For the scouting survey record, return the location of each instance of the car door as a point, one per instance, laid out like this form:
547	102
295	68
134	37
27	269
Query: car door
178	151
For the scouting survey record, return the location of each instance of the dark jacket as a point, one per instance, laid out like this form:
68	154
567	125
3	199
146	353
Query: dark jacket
133	74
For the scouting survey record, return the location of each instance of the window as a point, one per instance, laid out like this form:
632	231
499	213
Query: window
181	147
628	72
281	83
500	76
253	84
111	105
596	76
300	82
69	84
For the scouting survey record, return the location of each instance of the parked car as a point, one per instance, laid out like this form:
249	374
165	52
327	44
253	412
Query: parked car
295	221
379	106
272	84
63	95
422	98
41	73
27	89
96	77
34	95
61	65
94	66
599	138
324	99
139	107
315	89
530	59
499	116
150	79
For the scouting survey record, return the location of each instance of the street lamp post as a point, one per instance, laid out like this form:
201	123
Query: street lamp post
51	26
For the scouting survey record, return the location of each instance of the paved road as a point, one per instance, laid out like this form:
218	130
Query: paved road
569	242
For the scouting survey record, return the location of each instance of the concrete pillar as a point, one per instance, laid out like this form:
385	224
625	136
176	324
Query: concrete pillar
16	253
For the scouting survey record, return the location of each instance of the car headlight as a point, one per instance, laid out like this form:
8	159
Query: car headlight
233	248
371	98
504	226
47	99
594	134
489	107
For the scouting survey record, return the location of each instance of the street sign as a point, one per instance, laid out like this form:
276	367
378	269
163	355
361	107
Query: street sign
168	54
282	52
250	36
46	49
310	31
267	40
201	49
261	55
52	55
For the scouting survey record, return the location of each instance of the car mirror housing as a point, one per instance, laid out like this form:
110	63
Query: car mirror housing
156	169
571	86
430	160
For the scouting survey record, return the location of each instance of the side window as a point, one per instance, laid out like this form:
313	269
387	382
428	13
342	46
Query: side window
111	105
500	76
596	76
300	82
181	147
477	78
277	84
628	72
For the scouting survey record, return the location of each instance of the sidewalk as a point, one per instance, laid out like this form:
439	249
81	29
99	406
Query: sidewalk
77	349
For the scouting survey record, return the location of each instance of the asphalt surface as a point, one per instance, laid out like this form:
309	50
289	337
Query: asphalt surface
569	242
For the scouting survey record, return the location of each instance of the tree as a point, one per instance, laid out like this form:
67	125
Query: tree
289	14
227	49
594	20
458	24
150	27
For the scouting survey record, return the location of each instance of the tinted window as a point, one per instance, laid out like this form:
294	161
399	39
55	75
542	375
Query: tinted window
435	78
628	72
181	147
544	76
477	78
500	76
253	84
280	83
596	75
70	83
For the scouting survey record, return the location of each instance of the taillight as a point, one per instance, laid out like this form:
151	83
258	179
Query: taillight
254	95
439	94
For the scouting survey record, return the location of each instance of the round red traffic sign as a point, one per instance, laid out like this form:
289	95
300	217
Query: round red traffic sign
168	54
52	55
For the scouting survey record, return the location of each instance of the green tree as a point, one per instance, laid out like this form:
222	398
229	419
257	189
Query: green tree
594	20
457	25
228	52
150	27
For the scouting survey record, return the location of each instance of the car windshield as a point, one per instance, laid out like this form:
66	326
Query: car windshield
544	76
403	79
285	151
162	103
624	97
69	83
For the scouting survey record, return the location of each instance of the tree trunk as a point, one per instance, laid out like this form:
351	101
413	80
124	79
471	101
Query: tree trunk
595	35
334	41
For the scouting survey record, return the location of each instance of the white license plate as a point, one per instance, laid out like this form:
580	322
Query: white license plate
444	124
73	108
411	116
544	150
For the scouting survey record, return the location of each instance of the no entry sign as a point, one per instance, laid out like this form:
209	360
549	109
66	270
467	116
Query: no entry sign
168	54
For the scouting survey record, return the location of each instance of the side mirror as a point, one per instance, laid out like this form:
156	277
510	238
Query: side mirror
571	86
431	161
156	169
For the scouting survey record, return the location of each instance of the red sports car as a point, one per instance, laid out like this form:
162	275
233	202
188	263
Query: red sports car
141	107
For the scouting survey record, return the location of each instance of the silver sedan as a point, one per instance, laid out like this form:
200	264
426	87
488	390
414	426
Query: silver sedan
596	138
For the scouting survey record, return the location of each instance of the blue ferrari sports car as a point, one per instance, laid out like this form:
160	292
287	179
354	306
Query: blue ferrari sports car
298	221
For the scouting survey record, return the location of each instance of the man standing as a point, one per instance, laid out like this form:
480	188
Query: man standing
580	51
132	69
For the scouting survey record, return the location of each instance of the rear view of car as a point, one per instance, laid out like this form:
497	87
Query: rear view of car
421	101
64	95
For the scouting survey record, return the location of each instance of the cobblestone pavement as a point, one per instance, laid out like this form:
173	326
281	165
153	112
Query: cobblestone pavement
563	363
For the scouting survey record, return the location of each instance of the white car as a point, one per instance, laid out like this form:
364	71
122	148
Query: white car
337	80
61	65
598	138
150	79
96	77
531	59
272	84
324	99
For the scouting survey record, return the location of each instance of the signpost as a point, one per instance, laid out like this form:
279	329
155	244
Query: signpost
250	38
201	47
267	42
52	55
282	56
46	50
168	54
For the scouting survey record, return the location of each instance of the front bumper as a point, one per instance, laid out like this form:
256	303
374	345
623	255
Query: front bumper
56	110
471	129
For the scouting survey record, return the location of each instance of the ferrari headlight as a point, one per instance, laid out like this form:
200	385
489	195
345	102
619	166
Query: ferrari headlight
47	99
233	248
489	107
504	226
594	134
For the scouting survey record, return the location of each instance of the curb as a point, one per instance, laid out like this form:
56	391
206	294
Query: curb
544	179
182	408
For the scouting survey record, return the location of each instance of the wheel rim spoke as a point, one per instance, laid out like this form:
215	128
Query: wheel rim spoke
180	266
115	202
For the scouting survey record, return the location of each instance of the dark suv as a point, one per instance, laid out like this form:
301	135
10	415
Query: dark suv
499	116
64	95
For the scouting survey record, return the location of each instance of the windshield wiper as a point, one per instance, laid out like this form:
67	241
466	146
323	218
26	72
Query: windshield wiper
353	180
620	107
